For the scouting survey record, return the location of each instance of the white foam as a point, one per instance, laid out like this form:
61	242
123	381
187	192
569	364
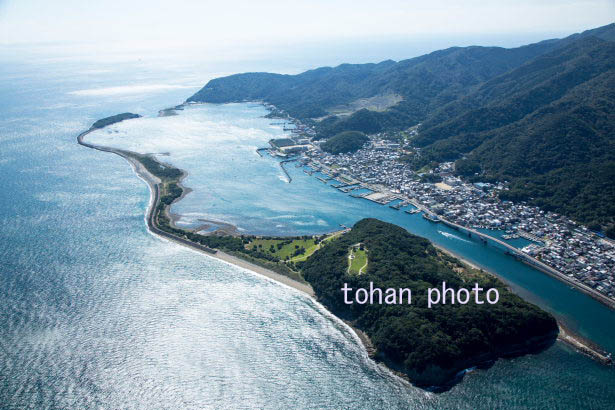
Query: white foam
128	89
451	236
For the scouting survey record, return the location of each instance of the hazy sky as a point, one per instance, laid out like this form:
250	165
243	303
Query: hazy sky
142	24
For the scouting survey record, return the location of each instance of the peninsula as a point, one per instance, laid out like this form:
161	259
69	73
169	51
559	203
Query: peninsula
428	346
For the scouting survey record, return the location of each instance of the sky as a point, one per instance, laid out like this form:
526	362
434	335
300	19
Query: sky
242	26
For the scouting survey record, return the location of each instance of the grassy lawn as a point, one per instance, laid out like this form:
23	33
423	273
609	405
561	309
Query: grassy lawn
311	250
357	260
282	248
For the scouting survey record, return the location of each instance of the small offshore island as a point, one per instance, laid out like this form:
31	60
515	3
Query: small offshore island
427	346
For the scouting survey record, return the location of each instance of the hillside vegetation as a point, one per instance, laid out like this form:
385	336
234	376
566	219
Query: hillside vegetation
430	345
102	123
347	141
548	127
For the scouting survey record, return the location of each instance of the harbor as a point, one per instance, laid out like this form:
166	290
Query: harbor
380	194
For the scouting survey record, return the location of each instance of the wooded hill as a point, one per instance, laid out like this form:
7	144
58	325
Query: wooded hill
346	141
430	345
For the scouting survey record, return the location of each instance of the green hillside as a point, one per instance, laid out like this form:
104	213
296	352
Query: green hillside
430	345
114	119
547	127
346	141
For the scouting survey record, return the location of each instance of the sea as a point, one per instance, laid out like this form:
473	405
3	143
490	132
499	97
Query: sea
96	312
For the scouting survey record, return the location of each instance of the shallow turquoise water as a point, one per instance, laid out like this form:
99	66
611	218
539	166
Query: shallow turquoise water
96	312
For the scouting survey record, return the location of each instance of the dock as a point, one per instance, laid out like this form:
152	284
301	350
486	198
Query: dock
529	236
346	187
431	217
290	179
380	197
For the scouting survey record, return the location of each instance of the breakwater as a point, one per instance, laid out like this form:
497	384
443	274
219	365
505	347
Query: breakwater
288	177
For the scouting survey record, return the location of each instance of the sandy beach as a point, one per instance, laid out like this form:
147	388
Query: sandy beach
303	287
462	259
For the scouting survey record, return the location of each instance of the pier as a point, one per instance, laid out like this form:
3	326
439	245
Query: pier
348	188
345	188
431	217
290	179
529	236
258	151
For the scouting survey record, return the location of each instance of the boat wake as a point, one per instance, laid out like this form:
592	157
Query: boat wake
450	235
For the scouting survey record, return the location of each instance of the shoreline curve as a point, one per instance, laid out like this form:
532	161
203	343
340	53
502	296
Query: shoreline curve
568	337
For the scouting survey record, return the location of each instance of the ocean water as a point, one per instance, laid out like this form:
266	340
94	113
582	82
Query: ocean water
98	313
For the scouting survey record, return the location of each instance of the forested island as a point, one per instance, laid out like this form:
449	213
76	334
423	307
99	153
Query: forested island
540	117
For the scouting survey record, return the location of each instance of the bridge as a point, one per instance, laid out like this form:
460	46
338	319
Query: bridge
536	263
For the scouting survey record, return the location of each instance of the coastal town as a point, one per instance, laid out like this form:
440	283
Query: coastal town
379	172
